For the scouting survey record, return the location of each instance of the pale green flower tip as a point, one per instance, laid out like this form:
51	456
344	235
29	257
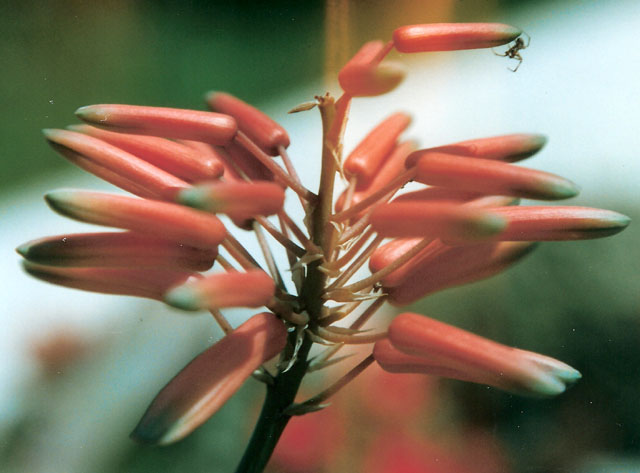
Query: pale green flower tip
548	386
52	134
59	197
511	32
183	297
211	95
91	113
23	250
193	197
565	189
490	224
568	374
153	429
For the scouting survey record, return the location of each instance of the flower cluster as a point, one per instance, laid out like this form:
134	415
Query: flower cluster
186	166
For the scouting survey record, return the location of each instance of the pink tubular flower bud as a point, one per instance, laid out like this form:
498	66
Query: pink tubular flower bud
507	148
240	200
210	127
260	128
446	221
366	76
147	283
452	36
366	159
490	177
105	160
172	221
205	384
116	249
559	223
477	359
234	289
392	167
175	158
453	266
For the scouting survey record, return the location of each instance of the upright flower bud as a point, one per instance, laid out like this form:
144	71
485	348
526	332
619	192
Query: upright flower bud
435	345
205	384
365	75
210	127
234	289
172	221
452	36
261	129
366	159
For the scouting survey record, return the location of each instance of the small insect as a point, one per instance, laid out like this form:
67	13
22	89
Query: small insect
514	51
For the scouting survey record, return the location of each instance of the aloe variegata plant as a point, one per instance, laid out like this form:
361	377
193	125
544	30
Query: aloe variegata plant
186	166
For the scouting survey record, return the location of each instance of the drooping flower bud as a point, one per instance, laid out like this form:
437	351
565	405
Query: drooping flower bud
240	200
559	223
259	127
205	384
507	148
176	123
149	283
438	348
172	221
446	221
116	249
452	36
490	177
365	75
114	164
453	266
233	289
176	158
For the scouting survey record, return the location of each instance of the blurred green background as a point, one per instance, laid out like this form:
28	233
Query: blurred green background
577	301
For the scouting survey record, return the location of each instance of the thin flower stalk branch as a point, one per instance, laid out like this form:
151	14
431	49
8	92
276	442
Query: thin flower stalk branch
221	321
268	255
355	265
381	195
280	237
268	162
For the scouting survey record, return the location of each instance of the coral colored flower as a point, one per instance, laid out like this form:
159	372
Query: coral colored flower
234	289
366	159
114	164
490	177
116	249
452	36
176	158
437	348
240	200
214	128
365	75
172	221
149	283
206	383
462	225
260	128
